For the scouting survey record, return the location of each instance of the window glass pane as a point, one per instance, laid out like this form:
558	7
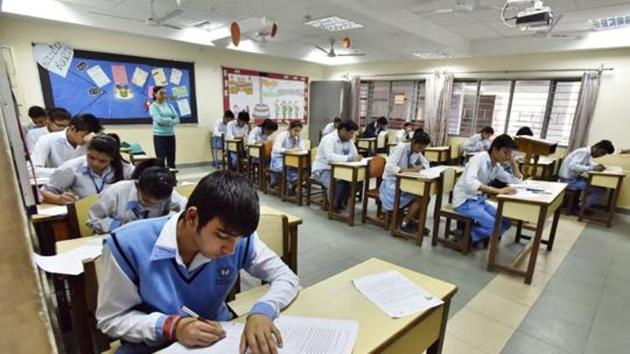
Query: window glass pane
563	111
460	117
402	100
421	99
528	105
379	106
494	97
364	90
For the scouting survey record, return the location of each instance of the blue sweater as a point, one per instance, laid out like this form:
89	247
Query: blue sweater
164	118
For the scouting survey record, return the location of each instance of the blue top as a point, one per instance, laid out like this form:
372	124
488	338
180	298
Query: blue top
164	118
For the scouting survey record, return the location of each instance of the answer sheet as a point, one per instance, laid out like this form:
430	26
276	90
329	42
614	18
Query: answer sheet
395	294
71	262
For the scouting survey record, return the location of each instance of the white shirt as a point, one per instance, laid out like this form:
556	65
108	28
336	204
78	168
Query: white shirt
284	142
119	204
233	131
219	129
332	149
51	151
576	163
402	157
33	136
477	143
479	171
256	136
119	295
328	128
401	136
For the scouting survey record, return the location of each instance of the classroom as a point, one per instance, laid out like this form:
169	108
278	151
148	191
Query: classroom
274	176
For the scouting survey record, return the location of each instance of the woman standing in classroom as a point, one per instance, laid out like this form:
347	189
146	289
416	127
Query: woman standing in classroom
164	120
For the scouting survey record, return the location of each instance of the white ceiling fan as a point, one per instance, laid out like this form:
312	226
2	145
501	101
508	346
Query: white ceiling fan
332	54
462	7
153	20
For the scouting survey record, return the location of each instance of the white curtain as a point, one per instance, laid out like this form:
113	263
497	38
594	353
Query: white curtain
584	111
439	89
355	89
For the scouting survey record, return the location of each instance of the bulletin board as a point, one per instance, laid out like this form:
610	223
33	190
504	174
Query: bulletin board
117	89
280	97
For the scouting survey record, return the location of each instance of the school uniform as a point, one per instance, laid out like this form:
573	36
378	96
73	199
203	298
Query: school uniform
51	151
257	136
332	149
328	128
402	136
477	143
468	200
372	130
33	136
217	140
119	205
27	127
281	144
401	157
233	131
145	280
75	176
573	165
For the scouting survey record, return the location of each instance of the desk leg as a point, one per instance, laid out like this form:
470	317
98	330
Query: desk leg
494	240
613	202
554	227
396	216
300	172
293	247
353	191
436	347
80	315
535	246
331	194
283	181
422	219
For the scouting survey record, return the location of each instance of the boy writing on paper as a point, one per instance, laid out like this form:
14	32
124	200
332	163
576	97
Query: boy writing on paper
153	267
288	140
336	147
237	129
219	132
406	157
478	173
479	142
404	134
580	161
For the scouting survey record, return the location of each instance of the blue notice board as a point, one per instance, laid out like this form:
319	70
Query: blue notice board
117	89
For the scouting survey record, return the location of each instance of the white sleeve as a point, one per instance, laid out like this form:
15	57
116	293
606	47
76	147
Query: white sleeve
251	139
102	213
506	177
328	148
31	139
424	162
278	144
60	181
578	168
471	176
178	202
284	284
301	145
472	144
217	129
391	166
229	131
117	296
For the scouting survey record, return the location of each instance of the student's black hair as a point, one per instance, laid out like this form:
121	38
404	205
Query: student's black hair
36	111
117	138
407	124
605	145
57	113
525	131
487	130
502	141
295	123
348	125
145	164
337	120
156	182
381	121
86	122
420	137
269	125
229	196
155	91
109	146
228	114
243	116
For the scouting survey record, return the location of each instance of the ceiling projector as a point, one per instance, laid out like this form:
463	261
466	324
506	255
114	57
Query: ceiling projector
532	14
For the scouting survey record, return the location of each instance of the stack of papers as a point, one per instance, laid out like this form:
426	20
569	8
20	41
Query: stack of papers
300	335
395	295
52	210
71	262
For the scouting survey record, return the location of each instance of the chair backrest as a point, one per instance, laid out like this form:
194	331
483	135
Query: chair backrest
185	190
448	180
313	153
267	150
377	166
78	215
381	140
273	230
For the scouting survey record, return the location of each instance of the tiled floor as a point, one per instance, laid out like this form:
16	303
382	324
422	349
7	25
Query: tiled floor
578	302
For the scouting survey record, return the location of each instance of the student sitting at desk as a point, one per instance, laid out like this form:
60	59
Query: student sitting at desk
51	150
38	117
192	259
406	157
478	173
580	161
375	128
150	196
479	142
331	127
336	147
288	140
220	130
512	166
58	120
261	133
237	129
88	174
404	134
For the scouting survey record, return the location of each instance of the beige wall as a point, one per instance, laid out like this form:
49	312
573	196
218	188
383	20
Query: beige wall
192	140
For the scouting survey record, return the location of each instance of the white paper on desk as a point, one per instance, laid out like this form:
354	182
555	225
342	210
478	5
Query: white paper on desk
528	186
363	162
394	294
97	75
53	210
524	193
71	262
229	344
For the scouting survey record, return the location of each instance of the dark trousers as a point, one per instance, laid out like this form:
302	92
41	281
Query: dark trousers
165	149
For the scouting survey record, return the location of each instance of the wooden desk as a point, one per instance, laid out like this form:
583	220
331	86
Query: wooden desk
256	151
611	179
336	297
353	172
421	185
543	169
234	146
439	155
51	227
367	144
294	222
301	161
535	210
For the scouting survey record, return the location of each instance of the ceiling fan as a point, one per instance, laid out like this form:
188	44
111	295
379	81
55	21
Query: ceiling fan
332	54
153	20
462	7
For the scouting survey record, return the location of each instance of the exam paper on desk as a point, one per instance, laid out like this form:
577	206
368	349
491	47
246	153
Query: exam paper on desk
71	262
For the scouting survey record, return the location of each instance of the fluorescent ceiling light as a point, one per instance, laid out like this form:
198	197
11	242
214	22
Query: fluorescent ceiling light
610	23
435	54
333	24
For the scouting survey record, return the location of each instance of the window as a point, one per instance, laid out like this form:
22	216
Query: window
364	90
399	100
546	106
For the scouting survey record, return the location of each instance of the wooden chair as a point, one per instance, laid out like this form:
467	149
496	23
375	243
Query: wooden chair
315	193
377	168
257	161
447	211
78	215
